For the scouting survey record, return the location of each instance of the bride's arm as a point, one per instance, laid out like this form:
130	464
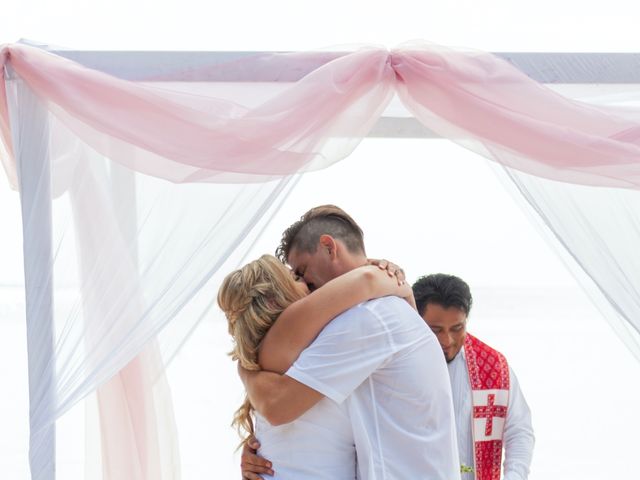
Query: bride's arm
303	320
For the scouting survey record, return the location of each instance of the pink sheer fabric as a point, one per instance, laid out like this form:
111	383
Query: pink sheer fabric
137	429
137	426
491	107
183	139
471	97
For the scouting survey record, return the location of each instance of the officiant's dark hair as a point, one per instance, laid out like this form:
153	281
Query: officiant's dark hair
304	235
444	290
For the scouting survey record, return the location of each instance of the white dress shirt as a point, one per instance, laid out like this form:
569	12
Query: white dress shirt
518	437
382	361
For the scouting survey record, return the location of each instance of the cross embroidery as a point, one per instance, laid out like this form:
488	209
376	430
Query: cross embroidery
489	411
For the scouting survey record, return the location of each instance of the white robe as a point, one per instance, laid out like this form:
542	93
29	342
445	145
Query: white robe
518	433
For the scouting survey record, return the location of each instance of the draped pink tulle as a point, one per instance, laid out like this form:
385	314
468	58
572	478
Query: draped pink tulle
279	137
520	123
471	97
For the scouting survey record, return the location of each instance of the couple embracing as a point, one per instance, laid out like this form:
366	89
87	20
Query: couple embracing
344	379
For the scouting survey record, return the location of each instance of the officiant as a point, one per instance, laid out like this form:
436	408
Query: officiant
491	412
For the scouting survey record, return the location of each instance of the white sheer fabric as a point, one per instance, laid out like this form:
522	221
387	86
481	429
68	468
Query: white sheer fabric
128	253
131	251
31	135
596	231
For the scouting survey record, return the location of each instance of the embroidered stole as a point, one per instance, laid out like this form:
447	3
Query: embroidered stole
489	377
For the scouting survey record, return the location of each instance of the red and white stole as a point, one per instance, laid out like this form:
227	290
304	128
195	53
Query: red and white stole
489	377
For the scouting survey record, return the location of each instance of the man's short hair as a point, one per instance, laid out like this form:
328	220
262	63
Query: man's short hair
444	290
304	235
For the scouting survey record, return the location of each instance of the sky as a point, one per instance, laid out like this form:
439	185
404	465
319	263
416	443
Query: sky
451	214
505	25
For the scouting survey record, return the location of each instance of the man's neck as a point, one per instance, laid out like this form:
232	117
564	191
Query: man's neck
352	262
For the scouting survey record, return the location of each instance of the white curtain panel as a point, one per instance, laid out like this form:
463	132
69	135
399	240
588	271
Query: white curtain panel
114	254
594	230
128	253
597	231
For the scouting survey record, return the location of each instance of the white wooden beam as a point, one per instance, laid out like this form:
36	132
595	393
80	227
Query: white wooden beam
544	67
551	68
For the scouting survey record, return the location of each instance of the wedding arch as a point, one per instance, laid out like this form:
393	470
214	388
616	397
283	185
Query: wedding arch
93	139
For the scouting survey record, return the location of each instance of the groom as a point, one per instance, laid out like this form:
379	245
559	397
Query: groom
378	358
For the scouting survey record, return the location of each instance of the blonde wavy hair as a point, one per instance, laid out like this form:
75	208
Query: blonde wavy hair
252	298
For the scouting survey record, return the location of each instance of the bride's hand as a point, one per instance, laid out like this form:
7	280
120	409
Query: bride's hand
391	268
252	464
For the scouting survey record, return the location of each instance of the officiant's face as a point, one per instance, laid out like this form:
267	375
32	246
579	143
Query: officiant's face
449	325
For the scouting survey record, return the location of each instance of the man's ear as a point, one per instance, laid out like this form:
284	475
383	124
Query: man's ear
328	243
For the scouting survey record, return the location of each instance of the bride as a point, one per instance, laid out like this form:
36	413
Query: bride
265	295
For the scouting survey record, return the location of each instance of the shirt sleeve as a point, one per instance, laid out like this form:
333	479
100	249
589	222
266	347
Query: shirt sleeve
518	434
347	351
